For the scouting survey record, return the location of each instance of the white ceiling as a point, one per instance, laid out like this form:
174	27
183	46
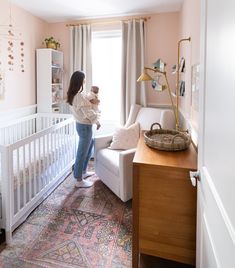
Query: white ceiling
68	10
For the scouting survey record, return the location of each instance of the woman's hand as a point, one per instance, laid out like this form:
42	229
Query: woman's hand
98	125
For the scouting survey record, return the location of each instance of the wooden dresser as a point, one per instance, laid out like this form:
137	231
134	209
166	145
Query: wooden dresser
164	204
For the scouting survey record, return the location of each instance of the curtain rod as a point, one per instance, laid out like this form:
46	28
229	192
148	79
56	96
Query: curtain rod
105	21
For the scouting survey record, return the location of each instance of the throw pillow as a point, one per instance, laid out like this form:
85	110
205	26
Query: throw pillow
125	138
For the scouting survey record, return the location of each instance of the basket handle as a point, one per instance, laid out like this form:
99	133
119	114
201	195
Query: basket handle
179	135
160	127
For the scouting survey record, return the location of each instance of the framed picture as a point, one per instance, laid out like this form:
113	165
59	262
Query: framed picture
182	88
182	65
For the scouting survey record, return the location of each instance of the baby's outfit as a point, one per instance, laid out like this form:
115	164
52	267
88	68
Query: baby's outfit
91	96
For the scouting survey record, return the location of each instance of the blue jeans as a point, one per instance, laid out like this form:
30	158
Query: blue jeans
85	145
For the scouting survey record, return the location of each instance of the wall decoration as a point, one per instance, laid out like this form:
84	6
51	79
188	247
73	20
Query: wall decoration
195	87
182	65
182	88
2	84
11	45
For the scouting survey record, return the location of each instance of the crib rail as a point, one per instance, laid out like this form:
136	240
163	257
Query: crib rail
16	130
33	163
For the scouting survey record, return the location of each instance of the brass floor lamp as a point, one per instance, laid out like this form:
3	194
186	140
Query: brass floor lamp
146	77
159	68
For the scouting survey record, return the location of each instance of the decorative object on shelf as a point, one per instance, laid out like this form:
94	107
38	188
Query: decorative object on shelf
52	43
146	77
166	140
11	39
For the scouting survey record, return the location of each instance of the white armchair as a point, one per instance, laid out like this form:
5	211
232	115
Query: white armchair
114	167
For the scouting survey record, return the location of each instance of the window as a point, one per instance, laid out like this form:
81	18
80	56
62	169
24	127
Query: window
106	72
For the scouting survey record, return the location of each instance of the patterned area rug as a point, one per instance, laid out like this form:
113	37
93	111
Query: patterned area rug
74	228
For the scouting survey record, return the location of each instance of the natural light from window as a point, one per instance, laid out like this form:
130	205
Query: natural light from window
106	72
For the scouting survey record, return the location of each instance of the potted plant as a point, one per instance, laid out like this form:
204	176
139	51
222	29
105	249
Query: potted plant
51	42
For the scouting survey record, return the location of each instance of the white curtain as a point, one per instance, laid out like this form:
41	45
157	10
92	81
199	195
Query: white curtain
133	48
80	52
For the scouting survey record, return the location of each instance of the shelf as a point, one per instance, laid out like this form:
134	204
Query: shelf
49	79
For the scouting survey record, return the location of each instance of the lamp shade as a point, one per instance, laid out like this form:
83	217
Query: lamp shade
144	77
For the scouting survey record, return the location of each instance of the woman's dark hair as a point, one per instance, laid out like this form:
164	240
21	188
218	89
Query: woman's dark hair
75	85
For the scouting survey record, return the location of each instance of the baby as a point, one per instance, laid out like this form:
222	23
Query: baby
92	96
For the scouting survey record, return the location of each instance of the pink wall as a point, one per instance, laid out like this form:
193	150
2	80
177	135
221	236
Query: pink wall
20	87
162	35
190	26
161	42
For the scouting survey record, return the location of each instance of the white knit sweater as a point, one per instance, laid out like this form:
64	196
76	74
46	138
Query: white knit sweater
82	110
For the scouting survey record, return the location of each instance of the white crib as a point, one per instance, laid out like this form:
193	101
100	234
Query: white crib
36	154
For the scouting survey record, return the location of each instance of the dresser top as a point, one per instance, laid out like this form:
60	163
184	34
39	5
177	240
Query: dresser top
186	159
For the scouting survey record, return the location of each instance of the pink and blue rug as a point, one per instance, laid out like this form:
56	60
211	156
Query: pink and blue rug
74	228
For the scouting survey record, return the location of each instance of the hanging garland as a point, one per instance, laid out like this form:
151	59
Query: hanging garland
11	44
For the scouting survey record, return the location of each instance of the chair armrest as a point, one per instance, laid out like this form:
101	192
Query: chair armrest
125	169
102	142
127	153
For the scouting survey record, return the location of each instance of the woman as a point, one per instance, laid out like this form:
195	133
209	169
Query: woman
85	117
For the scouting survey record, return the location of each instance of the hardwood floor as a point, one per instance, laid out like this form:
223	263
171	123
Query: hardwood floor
147	261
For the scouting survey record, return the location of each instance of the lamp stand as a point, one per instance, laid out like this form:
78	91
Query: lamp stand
177	79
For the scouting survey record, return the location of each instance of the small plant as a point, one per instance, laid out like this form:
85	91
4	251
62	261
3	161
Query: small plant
51	43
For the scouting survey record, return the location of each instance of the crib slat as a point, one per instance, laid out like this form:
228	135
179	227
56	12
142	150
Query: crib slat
59	149
30	171
44	173
39	164
34	168
18	178
48	166
24	177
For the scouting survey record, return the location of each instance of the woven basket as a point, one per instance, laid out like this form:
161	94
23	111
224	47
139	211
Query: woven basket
166	139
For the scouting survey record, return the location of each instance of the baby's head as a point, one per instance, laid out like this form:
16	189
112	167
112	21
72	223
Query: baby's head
95	89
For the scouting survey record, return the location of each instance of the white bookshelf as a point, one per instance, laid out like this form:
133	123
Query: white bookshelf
49	80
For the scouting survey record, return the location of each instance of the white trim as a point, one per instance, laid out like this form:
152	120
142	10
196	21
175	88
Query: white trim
202	83
207	229
17	113
219	204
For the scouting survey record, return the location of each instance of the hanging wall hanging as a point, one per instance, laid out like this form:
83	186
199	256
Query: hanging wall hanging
11	45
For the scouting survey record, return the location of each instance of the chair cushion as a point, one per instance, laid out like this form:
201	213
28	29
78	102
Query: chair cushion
125	138
109	159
